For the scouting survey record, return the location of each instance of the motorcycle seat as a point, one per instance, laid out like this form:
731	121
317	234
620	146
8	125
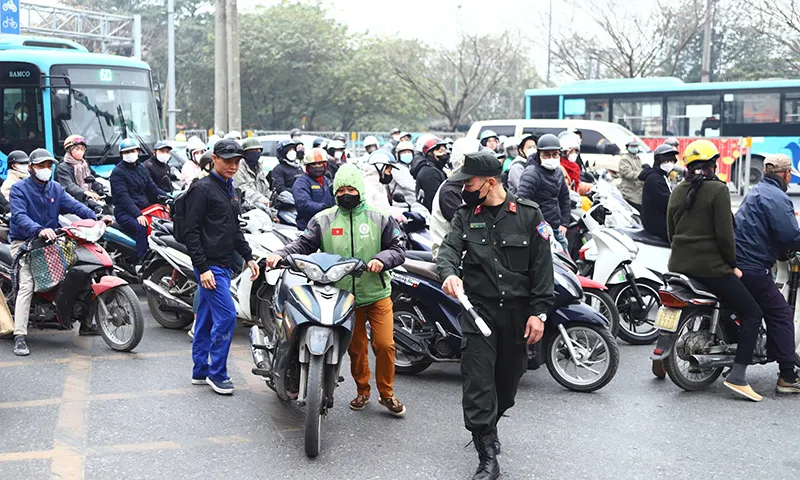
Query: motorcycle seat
689	283
643	236
5	254
423	269
420	255
4	234
170	241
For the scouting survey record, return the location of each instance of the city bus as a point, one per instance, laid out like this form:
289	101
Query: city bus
52	88
657	108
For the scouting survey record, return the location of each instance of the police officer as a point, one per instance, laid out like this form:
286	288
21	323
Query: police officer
508	276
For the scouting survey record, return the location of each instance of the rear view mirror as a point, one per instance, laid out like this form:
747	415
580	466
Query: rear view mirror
398	197
62	104
89	179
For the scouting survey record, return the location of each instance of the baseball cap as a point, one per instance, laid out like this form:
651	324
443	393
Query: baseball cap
781	162
228	149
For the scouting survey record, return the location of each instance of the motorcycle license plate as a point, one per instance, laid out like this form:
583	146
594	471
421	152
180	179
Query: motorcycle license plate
667	319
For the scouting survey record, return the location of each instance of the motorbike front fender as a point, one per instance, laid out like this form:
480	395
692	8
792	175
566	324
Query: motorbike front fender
107	283
577	312
318	339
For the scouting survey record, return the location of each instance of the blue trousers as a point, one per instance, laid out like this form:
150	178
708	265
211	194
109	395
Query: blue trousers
213	329
131	227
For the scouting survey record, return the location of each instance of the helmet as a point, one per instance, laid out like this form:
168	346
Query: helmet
461	147
318	142
296	132
40	155
371	140
126	145
195	144
212	140
381	157
394	130
432	144
180	137
206	159
525	138
486	135
548	142
341	137
18	156
252	143
421	141
700	151
283	147
672	141
570	141
510	142
403	146
234	134
162	144
665	149
73	140
335	145
405	134
316	155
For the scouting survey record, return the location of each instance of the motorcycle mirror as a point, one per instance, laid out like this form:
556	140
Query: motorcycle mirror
89	179
398	197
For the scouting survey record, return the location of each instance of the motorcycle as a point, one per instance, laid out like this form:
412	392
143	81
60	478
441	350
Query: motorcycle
298	350
417	234
89	288
427	329
284	211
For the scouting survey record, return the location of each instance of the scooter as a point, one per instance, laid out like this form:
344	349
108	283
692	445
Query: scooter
298	350
577	347
284	211
89	290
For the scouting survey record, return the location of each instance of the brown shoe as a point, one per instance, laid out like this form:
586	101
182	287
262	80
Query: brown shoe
359	403
786	387
394	406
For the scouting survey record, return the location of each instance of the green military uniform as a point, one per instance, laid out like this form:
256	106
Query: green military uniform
508	275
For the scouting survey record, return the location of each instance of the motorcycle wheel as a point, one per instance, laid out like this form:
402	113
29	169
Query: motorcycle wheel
171	320
406	363
635	328
595	345
314	405
603	303
688	343
125	315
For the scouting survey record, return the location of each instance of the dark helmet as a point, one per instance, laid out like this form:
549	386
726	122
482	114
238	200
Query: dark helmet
162	144
284	146
40	155
432	144
18	156
206	159
341	137
672	141
296	132
318	142
548	142
664	152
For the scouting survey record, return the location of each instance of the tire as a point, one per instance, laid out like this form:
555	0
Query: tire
121	297
606	305
314	404
676	365
404	364
623	296
171	320
556	348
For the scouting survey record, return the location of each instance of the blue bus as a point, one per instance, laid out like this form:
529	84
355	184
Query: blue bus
655	108
52	88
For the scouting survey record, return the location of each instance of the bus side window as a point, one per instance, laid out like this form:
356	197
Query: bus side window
792	108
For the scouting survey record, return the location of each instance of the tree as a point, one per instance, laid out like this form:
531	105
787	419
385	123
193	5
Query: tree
782	21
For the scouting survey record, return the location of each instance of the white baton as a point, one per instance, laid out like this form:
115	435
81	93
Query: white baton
462	297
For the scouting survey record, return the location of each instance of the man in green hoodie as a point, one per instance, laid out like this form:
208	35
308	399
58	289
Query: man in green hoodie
353	229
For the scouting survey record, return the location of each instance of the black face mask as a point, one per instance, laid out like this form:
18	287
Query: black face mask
348	201
443	159
386	179
473	199
301	154
316	171
252	157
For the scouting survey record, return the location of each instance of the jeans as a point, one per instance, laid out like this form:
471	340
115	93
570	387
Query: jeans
560	238
213	333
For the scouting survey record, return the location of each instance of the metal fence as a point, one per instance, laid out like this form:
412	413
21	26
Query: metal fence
355	140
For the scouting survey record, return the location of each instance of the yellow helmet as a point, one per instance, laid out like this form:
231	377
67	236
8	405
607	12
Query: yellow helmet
700	151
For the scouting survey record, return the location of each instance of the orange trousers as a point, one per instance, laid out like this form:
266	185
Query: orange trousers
381	322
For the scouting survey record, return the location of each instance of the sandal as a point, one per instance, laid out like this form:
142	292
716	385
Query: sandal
359	403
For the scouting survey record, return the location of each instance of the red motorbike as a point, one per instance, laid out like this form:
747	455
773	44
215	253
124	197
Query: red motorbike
89	290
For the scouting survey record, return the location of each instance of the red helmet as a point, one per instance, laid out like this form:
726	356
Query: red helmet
432	144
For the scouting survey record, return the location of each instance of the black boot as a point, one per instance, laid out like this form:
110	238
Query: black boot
496	444
488	468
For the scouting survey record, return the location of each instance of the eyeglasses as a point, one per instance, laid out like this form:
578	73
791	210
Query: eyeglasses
545	155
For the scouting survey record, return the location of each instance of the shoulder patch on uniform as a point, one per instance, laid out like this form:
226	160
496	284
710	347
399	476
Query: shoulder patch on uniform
527	202
544	230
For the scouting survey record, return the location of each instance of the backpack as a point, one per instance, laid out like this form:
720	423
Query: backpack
178	213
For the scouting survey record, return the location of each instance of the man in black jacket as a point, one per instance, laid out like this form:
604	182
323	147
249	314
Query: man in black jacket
212	233
656	190
158	166
431	174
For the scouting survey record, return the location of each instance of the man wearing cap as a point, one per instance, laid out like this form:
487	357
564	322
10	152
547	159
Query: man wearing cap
507	273
36	203
630	166
251	178
765	229
158	167
212	235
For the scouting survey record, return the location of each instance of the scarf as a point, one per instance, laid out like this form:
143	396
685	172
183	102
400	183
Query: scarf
574	172
81	169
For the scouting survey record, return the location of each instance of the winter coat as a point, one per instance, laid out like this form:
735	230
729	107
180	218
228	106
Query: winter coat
404	183
133	189
765	226
160	173
429	177
12	177
515	173
284	175
310	198
190	172
36	206
549	190
416	163
65	175
254	185
655	196
363	232
445	203
630	166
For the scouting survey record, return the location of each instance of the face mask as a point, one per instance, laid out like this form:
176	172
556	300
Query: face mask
21	168
387	179
291	155
406	158
252	156
473	199
667	166
301	154
22	116
443	158
337	154
551	163
44	174
530	152
633	150
316	171
77	154
130	157
572	157
348	201
163	157
196	157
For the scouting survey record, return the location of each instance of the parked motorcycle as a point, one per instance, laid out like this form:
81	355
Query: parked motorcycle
298	350
88	289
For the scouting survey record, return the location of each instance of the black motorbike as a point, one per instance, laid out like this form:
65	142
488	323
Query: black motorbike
577	347
298	349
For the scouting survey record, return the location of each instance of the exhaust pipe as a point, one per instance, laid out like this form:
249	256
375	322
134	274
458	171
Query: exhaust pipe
257	347
710	361
169	299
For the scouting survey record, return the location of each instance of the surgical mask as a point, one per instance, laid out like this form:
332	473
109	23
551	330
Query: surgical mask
163	157
291	155
21	168
551	163
633	150
77	153
337	154
348	201
530	152
473	199
667	166
196	157
44	174
572	157
22	116
406	158
130	157
316	171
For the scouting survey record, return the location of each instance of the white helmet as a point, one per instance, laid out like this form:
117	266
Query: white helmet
194	144
511	142
422	139
371	140
234	134
570	141
461	147
213	139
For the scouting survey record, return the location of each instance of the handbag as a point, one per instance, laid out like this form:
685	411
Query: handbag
49	263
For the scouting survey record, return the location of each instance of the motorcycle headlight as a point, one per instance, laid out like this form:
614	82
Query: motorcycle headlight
337	272
313	272
572	287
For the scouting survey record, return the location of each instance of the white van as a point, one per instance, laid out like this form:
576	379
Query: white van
596	137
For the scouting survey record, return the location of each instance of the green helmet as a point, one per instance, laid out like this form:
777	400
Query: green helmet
251	143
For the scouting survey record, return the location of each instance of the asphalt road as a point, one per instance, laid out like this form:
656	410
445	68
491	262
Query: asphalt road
75	409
